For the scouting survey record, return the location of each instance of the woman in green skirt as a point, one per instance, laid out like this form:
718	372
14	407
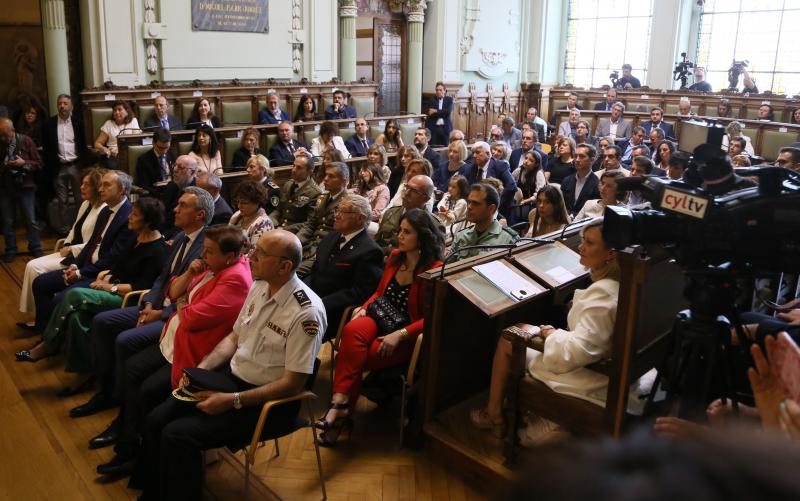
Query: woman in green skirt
136	269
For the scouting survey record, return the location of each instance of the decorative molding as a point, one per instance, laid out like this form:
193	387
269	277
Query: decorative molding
348	8
415	10
53	15
472	15
152	48
297	36
492	58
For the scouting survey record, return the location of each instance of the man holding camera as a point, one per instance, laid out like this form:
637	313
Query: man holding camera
700	83
19	160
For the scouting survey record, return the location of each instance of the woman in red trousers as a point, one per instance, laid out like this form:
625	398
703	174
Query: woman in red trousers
420	246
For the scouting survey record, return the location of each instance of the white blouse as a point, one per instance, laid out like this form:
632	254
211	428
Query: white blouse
86	229
317	148
113	130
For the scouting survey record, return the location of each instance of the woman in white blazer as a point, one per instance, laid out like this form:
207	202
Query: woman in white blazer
80	233
329	138
565	353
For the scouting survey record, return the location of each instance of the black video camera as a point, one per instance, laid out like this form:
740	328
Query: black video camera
614	76
681	71
755	229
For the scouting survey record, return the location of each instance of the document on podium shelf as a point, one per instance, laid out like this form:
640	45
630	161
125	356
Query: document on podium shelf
484	292
554	264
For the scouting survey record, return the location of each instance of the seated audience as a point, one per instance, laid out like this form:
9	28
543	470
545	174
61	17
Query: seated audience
724	108
391	139
122	121
416	167
205	150
348	263
583	133
584	184
372	186
641	166
609	195
258	170
795	116
328	139
456	155
501	151
484	166
213	185
251	217
422	138
358	144
248	148
612	162
550	213
568	127
109	240
76	240
741	161
328	158
282	152
262	368
272	114
136	268
156	164
298	195
405	154
615	127
364	346
306	109
572	103
656	122
482	203
562	161
789	158
611	98
208	296
637	139
602	144
161	117
678	163
529	141
529	178
565	352
737	146
417	194
339	109
202	114
732	130
665	149
511	135
376	155
766	113
452	208
685	108
183	176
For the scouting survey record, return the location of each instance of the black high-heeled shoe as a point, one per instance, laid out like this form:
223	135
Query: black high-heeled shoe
322	423
25	355
330	436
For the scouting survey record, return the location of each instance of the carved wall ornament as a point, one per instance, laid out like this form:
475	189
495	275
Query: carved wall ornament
493	58
152	43
297	36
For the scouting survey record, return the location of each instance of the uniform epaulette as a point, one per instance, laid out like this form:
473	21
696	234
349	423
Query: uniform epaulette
302	298
510	231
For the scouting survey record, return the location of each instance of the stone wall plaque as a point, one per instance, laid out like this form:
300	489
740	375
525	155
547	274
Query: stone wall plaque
250	16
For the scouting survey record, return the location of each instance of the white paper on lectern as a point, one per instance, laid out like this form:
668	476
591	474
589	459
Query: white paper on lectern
561	274
511	284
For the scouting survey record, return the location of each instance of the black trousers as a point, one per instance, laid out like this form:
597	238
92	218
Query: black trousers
48	290
170	465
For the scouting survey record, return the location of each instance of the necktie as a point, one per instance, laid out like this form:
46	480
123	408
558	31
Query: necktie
164	168
165	123
177	264
366	148
291	147
336	248
97	236
480	174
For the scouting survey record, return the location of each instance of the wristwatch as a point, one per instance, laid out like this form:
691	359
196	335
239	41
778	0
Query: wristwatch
237	401
114	288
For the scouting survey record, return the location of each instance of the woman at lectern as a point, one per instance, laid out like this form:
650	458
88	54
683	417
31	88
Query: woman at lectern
565	352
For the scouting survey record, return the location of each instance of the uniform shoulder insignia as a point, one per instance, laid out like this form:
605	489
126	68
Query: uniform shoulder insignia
273	185
511	232
302	298
311	328
275	200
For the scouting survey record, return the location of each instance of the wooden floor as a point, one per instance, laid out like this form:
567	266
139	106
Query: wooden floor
44	454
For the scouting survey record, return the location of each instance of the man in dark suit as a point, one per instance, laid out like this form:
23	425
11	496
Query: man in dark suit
529	141
119	333
440	107
421	140
656	122
484	165
272	114
65	153
584	184
349	263
611	98
282	152
572	102
358	144
339	108
183	175
157	164
213	184
161	117
111	237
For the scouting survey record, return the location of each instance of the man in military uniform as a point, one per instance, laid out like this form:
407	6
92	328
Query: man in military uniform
418	190
269	355
320	221
482	205
297	195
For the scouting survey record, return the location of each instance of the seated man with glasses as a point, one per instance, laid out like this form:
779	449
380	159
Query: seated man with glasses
789	158
416	194
612	161
349	263
482	203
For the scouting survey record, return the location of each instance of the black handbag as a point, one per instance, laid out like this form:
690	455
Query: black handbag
388	318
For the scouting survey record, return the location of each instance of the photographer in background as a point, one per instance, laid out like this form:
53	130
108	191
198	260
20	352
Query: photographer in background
19	159
628	81
700	84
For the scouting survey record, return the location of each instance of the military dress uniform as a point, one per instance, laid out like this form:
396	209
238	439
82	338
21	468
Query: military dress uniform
389	228
319	224
496	234
273	196
282	332
297	203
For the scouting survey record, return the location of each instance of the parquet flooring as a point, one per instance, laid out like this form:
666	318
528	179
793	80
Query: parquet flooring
44	455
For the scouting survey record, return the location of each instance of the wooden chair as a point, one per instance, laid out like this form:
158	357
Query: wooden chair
59	244
346	316
127	298
257	440
650	296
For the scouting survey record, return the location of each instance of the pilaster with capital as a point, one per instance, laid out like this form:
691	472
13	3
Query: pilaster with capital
347	40
54	32
415	15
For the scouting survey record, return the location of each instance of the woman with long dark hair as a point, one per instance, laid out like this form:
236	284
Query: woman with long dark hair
122	121
306	109
202	115
205	149
391	138
550	213
420	247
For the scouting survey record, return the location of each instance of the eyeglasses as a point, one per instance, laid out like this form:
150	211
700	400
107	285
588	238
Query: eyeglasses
408	187
338	211
781	161
257	253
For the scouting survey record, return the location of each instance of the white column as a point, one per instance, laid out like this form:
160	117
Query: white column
416	17
54	31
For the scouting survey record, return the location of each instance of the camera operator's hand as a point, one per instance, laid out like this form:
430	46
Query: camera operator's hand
789	418
17	162
793	316
767	390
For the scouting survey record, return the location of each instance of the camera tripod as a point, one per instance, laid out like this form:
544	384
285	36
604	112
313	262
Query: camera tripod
698	365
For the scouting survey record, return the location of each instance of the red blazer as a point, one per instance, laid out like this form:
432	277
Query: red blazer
210	315
415	294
